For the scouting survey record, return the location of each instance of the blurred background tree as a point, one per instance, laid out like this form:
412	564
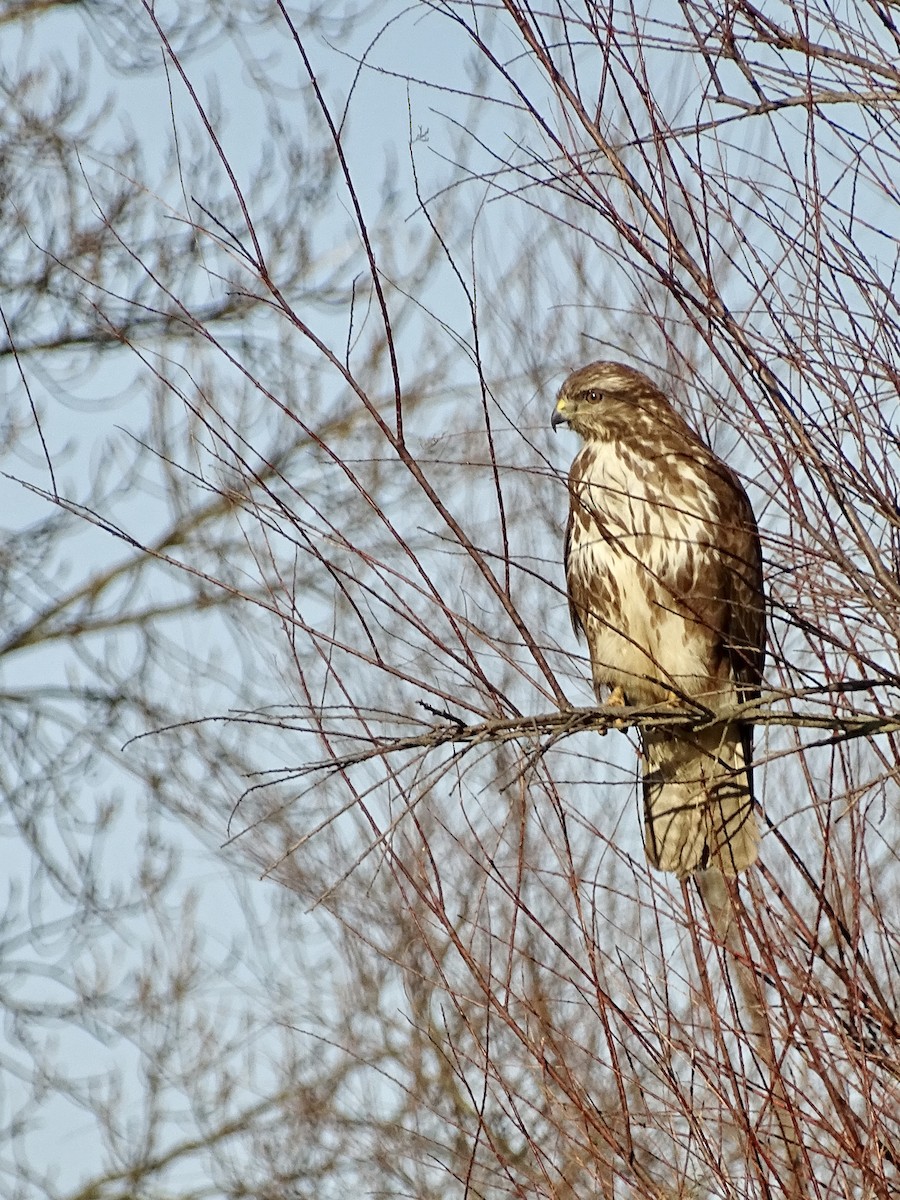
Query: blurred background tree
286	295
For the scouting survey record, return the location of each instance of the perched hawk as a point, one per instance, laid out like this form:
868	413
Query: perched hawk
665	582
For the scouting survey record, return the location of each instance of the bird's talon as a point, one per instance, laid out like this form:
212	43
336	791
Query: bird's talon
616	699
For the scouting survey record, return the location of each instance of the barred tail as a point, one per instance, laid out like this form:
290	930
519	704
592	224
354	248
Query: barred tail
698	801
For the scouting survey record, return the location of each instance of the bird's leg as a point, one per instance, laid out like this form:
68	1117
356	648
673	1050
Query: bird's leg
616	699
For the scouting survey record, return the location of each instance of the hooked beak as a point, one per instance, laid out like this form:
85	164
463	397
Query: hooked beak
559	415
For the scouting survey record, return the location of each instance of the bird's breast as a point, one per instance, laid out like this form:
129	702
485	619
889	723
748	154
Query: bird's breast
641	532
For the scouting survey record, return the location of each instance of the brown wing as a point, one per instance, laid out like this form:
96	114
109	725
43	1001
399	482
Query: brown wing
744	626
720	583
743	633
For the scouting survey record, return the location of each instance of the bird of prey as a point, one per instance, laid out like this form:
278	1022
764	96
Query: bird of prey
664	578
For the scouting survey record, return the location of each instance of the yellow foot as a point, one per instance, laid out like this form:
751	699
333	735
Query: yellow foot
616	699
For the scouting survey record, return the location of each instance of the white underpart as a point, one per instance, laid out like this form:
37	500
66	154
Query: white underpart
643	646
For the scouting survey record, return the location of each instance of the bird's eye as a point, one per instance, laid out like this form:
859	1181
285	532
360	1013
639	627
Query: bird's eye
593	396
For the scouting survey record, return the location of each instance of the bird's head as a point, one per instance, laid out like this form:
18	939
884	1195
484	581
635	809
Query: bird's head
599	394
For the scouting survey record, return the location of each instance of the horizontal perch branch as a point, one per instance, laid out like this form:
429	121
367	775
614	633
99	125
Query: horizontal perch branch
552	727
556	725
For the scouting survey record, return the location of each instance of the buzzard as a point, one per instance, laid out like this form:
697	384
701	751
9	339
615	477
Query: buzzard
664	577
